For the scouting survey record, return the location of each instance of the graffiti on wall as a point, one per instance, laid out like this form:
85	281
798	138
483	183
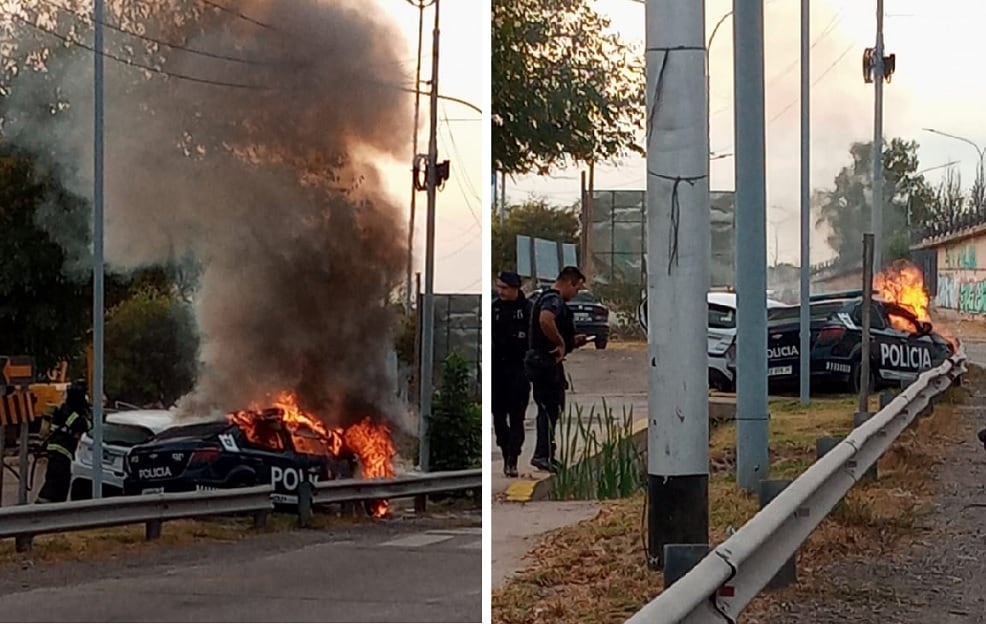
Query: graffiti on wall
961	258
963	295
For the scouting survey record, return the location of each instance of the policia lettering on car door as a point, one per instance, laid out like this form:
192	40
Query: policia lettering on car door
896	352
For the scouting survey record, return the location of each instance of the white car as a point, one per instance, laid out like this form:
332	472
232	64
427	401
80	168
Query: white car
121	431
722	337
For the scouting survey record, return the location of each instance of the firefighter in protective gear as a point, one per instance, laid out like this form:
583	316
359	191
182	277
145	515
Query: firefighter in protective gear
70	421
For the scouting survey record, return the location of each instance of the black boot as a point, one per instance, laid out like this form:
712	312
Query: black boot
510	466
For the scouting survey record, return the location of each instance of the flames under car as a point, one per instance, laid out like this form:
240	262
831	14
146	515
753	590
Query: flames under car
235	453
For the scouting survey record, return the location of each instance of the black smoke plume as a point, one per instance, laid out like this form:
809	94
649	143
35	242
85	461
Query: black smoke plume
261	169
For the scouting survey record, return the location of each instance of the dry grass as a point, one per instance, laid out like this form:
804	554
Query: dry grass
112	542
595	571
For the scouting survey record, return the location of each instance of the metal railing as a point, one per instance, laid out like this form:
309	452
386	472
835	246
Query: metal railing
25	521
720	586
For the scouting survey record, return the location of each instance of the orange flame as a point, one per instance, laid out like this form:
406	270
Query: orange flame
372	445
369	441
903	283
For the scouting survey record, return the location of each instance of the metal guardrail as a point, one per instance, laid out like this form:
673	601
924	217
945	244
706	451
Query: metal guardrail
331	492
25	521
720	586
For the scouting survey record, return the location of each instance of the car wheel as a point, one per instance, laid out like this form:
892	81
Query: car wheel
601	343
855	376
242	479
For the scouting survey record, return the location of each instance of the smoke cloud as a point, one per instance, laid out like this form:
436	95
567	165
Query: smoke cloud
267	180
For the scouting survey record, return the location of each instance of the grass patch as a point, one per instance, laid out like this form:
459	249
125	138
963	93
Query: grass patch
595	571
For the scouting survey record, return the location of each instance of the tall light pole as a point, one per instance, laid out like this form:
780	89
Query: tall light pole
752	456
981	172
98	304
804	345
428	300
879	75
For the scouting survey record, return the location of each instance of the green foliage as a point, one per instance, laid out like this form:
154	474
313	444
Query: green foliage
564	88
623	299
598	455
846	208
456	425
532	218
43	313
151	347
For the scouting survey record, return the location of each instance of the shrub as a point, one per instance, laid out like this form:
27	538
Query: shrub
456	422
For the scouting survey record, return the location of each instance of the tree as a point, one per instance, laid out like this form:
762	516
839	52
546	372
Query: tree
846	208
564	89
456	425
44	313
533	218
151	347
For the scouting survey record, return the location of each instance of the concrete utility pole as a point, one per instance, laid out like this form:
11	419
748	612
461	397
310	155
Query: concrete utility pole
421	4
805	345
98	303
876	220
428	301
752	458
678	252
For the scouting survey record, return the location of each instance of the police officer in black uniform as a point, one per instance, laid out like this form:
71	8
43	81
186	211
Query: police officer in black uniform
511	390
552	338
69	422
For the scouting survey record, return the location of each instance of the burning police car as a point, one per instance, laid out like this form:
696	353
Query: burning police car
216	455
902	345
282	446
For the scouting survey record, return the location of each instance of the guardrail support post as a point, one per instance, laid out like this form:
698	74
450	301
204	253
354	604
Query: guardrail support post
260	519
679	559
152	529
420	503
304	504
787	575
858	419
23	543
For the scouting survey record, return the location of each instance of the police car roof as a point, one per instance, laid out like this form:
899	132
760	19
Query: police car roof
155	420
728	299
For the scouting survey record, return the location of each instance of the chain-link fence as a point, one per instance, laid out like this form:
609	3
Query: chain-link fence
458	328
618	241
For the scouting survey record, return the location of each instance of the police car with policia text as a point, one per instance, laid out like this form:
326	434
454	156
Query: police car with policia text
218	455
901	345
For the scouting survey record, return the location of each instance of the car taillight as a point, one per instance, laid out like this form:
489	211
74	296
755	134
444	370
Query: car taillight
830	335
203	456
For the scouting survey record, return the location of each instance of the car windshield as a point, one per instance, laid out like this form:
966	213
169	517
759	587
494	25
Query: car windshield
584	296
125	435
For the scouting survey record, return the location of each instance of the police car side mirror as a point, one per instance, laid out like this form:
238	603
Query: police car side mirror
924	328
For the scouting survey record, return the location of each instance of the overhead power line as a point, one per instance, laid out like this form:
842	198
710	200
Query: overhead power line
168	44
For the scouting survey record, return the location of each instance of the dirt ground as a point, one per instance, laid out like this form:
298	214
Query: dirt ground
939	574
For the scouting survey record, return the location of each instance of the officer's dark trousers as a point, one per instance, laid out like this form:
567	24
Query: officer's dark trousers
511	394
549	395
58	478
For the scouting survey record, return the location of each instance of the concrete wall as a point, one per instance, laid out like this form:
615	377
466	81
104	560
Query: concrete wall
844	280
962	275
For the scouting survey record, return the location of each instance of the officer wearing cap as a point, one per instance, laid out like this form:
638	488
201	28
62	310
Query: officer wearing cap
511	390
70	421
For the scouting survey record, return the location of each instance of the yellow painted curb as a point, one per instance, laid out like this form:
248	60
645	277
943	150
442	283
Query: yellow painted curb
520	491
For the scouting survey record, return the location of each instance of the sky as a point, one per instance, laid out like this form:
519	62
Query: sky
936	46
458	221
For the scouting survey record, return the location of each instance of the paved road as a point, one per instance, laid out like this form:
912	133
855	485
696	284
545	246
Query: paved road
389	572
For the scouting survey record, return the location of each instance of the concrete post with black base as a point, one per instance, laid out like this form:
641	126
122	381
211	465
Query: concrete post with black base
678	256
